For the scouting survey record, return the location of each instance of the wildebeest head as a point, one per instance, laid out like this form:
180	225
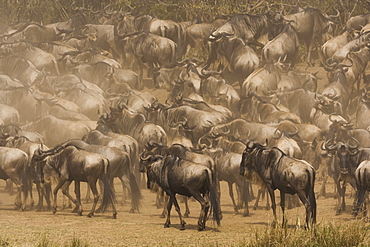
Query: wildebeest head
146	159
39	160
248	163
344	152
339	129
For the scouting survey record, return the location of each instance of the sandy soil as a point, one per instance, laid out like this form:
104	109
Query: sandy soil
146	228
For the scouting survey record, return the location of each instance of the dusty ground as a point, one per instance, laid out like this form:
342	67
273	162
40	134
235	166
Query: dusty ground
146	228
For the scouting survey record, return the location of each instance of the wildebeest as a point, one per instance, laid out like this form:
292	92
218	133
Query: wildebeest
284	46
252	29
355	23
346	160
56	131
177	176
276	170
197	34
13	165
149	48
238	59
332	45
362	178
119	165
74	164
312	27
363	110
227	167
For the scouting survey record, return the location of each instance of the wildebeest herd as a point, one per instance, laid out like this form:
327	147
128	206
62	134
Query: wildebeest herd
73	108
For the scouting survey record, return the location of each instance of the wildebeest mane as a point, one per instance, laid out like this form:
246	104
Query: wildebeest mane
252	23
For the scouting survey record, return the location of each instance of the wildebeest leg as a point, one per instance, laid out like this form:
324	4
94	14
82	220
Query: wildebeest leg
177	208
165	208
29	189
187	210
323	187
47	194
96	197
9	186
243	186
267	200
360	201
88	196
257	199
309	47
203	213
126	184
19	203
55	192
246	196
282	205
309	208
273	205
231	194
40	188
339	195
65	191
168	220
343	206
67	203
78	197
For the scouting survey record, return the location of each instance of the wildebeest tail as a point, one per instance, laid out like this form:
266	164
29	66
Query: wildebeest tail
214	198
311	194
135	192
109	198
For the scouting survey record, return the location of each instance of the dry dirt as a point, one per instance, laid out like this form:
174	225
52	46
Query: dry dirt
146	228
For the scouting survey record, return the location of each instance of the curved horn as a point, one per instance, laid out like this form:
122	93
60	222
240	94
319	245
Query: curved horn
331	119
295	132
326	146
346	65
334	16
71	6
145	158
202	145
357	143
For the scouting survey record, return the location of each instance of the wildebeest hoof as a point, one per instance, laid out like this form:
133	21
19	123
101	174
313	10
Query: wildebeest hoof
167	225
182	227
89	215
75	210
186	215
245	214
114	215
